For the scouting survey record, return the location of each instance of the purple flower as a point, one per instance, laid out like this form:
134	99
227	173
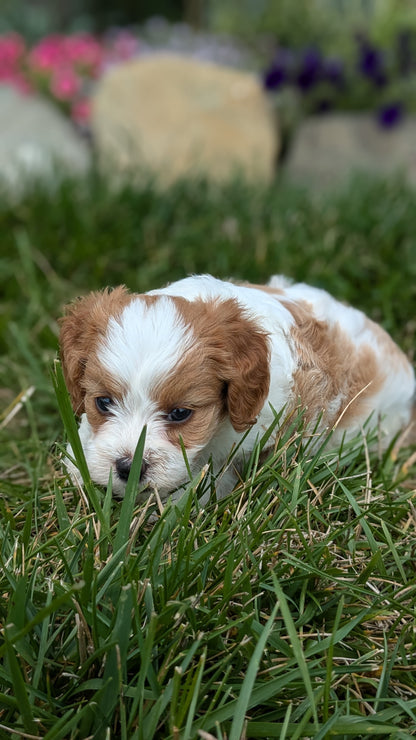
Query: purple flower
310	70
278	73
390	115
274	78
371	63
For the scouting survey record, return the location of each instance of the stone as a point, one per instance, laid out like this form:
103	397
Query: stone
173	116
36	140
326	150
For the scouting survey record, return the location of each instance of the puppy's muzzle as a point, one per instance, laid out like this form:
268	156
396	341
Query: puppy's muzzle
123	467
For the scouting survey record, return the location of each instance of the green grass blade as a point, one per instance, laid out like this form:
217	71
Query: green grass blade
20	688
284	727
68	419
384	681
43	642
244	696
132	486
330	659
360	514
194	694
43	613
146	648
393	550
296	645
116	659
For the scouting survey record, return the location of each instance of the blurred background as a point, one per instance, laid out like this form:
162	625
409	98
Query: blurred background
311	58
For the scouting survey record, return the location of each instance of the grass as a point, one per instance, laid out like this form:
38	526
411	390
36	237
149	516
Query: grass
286	610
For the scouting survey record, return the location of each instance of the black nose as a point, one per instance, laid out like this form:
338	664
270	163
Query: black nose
123	465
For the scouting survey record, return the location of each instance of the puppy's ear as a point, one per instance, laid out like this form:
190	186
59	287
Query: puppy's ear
84	323
244	365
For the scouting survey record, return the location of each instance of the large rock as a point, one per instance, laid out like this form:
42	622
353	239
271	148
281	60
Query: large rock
175	116
328	149
36	139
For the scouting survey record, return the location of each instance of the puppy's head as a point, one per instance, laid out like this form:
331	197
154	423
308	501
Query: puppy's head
190	371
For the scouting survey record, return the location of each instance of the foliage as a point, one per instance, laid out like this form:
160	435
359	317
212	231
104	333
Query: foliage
285	610
35	20
324	23
374	78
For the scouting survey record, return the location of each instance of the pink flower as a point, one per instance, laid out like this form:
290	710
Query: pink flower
81	51
12	49
48	54
84	51
65	84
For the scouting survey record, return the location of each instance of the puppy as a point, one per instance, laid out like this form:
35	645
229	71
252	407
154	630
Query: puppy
205	364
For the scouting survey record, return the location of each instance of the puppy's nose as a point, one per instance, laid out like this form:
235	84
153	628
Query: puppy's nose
123	465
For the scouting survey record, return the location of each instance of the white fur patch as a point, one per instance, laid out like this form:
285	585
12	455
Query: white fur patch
145	344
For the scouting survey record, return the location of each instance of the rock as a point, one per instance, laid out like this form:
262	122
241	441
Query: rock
328	149
176	116
36	139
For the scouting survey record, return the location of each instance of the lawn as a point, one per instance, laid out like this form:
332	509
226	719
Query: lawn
287	610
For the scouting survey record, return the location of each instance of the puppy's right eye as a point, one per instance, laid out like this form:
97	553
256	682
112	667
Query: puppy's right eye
103	404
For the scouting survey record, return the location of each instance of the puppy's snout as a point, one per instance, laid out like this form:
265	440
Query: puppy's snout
123	465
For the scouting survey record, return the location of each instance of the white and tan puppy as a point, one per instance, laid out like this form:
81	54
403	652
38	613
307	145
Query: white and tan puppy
203	361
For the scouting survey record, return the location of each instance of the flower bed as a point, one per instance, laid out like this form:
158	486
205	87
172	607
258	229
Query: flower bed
373	79
63	68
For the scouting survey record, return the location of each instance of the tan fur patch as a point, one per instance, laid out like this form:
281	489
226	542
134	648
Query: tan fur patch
334	377
226	370
82	327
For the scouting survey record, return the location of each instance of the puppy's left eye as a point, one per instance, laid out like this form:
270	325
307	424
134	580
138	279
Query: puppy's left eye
103	404
178	415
